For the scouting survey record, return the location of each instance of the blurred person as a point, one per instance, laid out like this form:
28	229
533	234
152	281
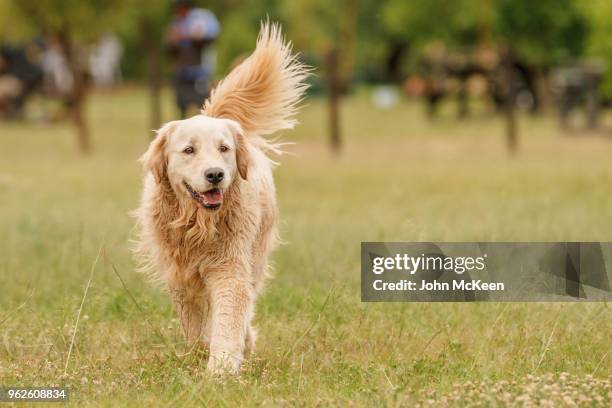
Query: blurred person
66	75
189	41
10	89
59	81
105	59
10	86
20	76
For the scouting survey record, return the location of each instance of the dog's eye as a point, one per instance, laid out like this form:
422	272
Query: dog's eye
223	148
188	150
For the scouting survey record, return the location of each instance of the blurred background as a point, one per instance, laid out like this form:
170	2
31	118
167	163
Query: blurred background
427	120
482	57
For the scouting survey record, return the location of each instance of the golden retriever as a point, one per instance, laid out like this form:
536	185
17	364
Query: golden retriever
207	217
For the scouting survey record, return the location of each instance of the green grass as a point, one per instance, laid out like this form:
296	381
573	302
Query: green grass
400	178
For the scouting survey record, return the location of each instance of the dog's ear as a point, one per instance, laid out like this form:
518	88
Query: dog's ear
243	158
155	159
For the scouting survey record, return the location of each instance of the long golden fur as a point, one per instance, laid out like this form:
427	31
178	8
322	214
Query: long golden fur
211	256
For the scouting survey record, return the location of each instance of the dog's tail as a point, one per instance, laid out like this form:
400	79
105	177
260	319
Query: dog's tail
262	93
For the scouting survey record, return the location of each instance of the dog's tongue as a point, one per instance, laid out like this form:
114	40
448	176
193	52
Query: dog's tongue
214	196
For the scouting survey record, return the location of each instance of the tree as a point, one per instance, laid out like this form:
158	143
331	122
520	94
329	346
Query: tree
599	41
329	29
11	28
72	23
145	21
540	34
536	34
458	23
544	32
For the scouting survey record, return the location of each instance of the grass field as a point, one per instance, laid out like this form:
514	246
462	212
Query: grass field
65	218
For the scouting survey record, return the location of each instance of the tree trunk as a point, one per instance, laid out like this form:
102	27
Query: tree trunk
463	110
155	88
77	97
544	100
334	87
592	102
152	46
339	68
78	116
509	75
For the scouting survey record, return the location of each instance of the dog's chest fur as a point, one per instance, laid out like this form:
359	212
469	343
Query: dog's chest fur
197	240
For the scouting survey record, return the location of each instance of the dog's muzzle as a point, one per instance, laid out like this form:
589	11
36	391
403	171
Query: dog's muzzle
210	199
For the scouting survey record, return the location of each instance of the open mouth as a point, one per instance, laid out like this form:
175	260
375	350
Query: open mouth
210	199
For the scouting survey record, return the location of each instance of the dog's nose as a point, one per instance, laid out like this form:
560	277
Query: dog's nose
214	175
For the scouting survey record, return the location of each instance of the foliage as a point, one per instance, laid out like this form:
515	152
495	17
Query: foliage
542	32
456	23
12	26
599	43
83	20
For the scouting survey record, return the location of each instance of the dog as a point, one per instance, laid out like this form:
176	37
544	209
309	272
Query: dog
208	214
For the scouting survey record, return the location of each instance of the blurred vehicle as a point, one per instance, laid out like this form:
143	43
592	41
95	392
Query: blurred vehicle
577	86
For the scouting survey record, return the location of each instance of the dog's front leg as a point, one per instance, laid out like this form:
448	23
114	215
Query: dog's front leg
232	304
188	299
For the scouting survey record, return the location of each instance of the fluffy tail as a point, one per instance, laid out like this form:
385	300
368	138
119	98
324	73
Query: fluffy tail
262	93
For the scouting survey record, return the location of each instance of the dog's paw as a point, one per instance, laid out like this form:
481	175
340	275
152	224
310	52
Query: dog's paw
223	364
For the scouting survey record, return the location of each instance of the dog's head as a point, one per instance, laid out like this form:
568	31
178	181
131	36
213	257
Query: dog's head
201	157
